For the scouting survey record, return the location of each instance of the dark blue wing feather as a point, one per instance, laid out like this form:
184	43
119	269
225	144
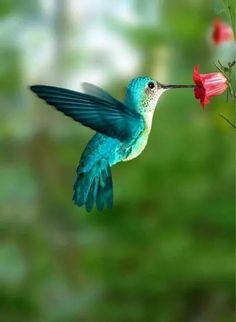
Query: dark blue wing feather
101	112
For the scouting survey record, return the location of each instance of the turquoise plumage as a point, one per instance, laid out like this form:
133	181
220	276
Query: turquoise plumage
122	132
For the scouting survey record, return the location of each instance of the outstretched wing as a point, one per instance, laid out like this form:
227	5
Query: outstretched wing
98	92
101	112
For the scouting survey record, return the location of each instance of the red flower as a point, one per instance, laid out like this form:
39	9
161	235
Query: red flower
208	85
221	32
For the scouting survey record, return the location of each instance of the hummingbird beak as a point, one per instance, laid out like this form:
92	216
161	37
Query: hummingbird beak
169	86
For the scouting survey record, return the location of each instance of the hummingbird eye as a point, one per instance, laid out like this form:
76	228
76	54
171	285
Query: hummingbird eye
151	85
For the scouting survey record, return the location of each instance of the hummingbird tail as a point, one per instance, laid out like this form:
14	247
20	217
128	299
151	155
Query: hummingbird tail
94	187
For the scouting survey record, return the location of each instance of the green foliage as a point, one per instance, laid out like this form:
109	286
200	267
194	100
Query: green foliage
166	251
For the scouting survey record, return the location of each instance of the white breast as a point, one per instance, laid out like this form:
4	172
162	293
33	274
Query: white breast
142	140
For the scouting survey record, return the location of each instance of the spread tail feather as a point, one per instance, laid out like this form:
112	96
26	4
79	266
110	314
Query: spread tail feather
94	187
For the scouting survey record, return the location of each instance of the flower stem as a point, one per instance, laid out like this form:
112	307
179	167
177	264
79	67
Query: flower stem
232	17
227	120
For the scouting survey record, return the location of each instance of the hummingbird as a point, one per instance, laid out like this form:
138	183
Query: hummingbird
122	131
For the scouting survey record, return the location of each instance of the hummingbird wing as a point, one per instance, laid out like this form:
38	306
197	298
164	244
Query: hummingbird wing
102	112
98	92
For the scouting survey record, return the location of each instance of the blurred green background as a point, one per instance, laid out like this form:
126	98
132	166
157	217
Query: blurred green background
165	252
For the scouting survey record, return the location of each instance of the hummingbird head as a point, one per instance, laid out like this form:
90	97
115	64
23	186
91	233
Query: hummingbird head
143	94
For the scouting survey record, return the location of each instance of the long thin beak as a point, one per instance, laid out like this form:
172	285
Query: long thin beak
176	86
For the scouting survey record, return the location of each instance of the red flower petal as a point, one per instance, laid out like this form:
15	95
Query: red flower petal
208	85
196	75
221	32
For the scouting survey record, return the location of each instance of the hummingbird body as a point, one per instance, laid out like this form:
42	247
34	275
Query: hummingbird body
122	132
